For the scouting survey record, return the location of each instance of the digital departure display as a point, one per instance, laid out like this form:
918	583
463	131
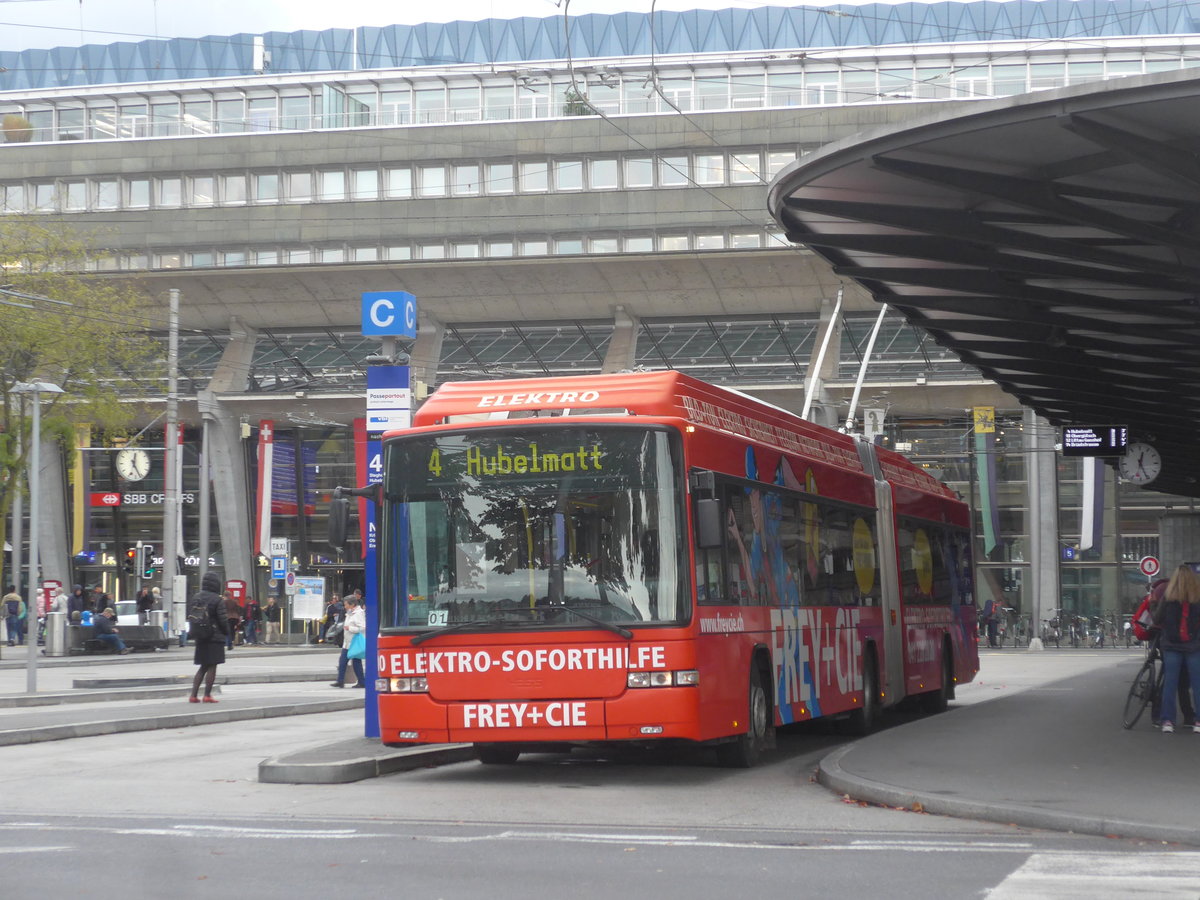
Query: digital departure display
1094	440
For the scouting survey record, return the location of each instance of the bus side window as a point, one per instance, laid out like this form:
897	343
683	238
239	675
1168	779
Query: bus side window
739	532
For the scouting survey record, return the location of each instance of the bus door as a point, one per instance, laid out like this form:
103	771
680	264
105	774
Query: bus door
893	616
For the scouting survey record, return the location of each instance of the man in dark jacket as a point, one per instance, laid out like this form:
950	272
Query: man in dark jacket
145	603
106	630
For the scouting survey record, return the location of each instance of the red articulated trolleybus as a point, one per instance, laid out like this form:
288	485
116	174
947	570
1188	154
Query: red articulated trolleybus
645	557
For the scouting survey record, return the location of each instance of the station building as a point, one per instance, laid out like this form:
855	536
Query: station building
557	206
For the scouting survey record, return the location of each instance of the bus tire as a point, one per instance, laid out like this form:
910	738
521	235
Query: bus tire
496	754
865	719
745	751
939	701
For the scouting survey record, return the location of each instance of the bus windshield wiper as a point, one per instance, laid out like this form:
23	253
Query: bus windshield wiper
462	626
610	626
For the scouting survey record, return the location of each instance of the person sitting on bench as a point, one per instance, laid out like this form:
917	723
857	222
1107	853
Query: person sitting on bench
106	631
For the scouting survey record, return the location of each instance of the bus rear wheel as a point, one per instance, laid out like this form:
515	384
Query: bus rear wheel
864	719
496	754
745	751
939	700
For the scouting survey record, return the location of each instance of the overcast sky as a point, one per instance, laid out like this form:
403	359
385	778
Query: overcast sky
26	24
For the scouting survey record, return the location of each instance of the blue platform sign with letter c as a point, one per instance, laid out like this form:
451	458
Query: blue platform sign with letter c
389	314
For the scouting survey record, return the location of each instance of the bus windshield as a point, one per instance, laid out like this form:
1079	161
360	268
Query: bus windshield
551	526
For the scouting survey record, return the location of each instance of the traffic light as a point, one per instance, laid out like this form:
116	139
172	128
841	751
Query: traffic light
131	560
146	561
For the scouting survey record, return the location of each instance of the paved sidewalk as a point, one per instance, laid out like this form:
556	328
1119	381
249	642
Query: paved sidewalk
1049	755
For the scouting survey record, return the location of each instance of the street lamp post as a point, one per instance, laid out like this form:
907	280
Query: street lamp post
37	388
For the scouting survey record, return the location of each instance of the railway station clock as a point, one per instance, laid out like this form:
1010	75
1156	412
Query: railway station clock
1141	463
133	464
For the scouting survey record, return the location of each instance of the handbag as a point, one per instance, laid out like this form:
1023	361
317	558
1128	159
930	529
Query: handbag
358	647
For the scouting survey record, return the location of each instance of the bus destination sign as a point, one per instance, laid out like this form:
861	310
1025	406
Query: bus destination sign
1094	440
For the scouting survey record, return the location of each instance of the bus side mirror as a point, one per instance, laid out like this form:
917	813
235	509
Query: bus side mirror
708	523
339	522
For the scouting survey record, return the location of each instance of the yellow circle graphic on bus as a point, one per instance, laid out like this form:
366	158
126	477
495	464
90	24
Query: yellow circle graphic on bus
864	556
922	557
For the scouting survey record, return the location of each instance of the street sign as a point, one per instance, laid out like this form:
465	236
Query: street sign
1094	440
278	566
279	546
389	313
1149	566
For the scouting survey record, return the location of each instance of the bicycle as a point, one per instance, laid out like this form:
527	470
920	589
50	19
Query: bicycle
1146	688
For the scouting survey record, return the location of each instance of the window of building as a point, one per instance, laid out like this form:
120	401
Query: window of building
395	106
233	258
785	89
167	260
333	184
197	117
466	180
710	168
364	184
364	254
296	112
74	195
43	196
602	174
137	193
266	187
430	104
639	172
500	178
263	113
200	259
639	243
465	249
673	171
331	254
821	88
170	193
604	245
464	104
498	102
568	175
71	123
298	256
534	176
231	116
106	194
201	191
745	240
102	123
266	257
747	89
398	183
777	160
431	251
859	86
299	186
398	251
164	118
672	242
499	248
432	180
568	245
712	92
745	168
1007	81
710	242
534	248
233	189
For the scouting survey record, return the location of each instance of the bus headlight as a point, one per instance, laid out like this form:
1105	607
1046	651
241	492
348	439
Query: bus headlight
402	685
684	677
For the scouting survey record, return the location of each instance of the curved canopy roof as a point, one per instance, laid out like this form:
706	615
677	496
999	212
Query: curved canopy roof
1051	240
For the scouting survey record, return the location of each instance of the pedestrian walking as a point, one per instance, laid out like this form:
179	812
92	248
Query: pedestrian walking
253	621
273	618
1178	617
354	644
14	615
233	613
145	603
210	650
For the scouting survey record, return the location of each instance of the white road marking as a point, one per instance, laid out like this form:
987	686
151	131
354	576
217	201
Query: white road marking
7	850
1095	876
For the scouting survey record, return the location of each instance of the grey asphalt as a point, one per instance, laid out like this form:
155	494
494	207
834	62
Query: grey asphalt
1035	741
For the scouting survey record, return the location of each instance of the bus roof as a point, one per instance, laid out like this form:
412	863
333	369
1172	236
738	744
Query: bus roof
666	394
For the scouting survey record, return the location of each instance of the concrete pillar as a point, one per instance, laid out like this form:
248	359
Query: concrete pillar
53	544
1178	541
426	353
227	461
823	410
622	349
1044	589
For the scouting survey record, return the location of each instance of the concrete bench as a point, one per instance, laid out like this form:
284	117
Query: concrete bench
81	638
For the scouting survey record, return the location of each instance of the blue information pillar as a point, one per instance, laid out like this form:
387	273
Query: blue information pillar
389	315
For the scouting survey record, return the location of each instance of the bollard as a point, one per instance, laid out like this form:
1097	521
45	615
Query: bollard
56	634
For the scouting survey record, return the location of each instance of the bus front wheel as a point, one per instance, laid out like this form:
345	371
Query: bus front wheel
496	754
744	751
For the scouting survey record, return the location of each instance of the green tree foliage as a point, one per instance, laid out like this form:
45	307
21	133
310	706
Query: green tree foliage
93	344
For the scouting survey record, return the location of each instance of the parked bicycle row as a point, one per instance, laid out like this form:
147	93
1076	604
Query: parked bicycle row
1059	629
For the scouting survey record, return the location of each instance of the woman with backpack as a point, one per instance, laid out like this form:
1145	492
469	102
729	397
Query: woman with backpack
209	629
1178	617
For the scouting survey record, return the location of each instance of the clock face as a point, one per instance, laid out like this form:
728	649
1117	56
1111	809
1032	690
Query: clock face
132	464
1141	463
